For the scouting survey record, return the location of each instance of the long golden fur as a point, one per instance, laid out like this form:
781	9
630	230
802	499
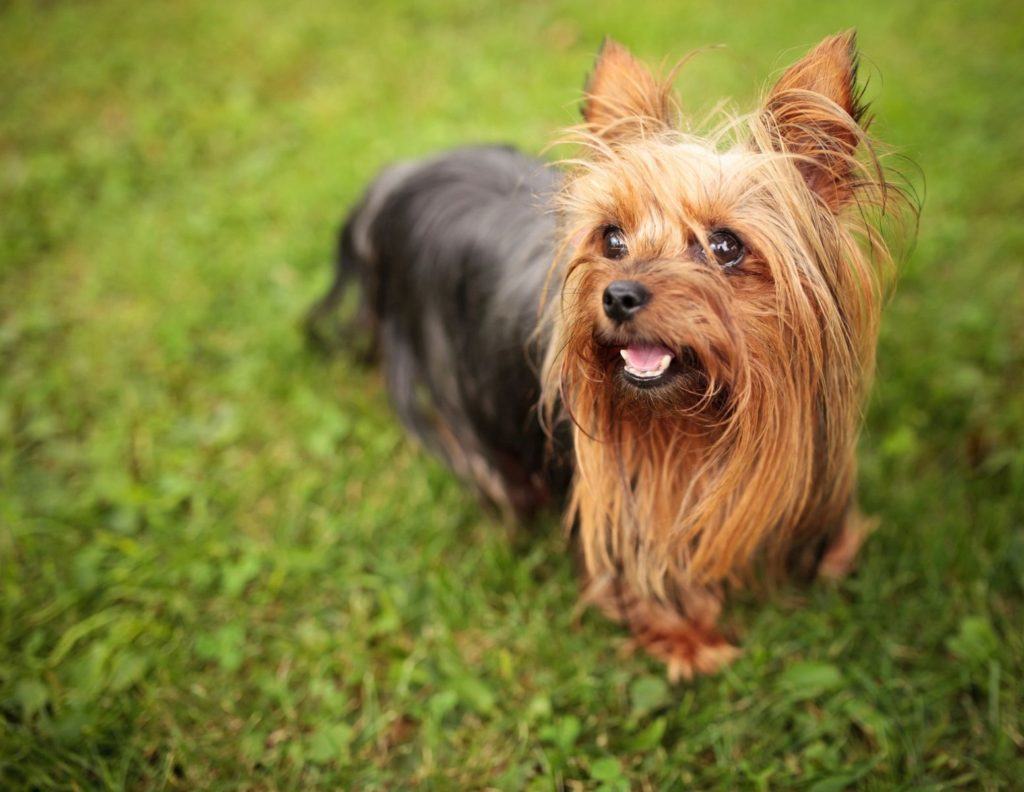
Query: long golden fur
746	461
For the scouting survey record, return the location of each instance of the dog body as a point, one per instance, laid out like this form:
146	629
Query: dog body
451	254
695	316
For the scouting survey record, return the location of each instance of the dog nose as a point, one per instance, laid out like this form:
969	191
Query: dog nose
624	298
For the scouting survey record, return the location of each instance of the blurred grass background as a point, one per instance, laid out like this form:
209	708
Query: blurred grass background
223	566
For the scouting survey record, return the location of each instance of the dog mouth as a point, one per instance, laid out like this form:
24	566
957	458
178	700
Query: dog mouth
645	369
646	364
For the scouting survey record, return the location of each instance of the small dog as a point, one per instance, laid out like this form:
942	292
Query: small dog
708	311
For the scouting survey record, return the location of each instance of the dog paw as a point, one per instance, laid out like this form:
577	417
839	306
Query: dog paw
688	651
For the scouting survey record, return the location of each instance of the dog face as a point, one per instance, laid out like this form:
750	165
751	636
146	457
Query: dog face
717	312
699	266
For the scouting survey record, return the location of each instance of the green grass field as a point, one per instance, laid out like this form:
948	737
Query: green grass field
224	566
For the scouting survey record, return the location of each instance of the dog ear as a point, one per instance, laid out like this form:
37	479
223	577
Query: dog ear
622	99
815	112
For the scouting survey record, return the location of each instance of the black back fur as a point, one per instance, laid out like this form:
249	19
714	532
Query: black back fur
451	254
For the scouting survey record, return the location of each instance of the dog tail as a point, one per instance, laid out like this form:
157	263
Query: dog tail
328	325
331	324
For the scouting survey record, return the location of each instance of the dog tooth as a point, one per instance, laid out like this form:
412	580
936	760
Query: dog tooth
642	373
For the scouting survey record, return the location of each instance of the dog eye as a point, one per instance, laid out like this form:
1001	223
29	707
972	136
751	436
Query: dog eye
726	248
614	243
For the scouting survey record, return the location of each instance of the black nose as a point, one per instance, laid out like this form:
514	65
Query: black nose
624	298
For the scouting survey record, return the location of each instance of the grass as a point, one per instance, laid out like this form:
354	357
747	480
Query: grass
222	563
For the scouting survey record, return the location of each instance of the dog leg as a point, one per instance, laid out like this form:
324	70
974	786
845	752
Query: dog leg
840	556
687	643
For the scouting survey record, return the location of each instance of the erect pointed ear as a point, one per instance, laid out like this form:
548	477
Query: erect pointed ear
623	100
815	112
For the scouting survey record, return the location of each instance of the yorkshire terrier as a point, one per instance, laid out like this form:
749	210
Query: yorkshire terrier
676	333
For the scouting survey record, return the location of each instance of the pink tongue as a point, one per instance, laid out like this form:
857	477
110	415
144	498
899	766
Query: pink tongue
645	358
